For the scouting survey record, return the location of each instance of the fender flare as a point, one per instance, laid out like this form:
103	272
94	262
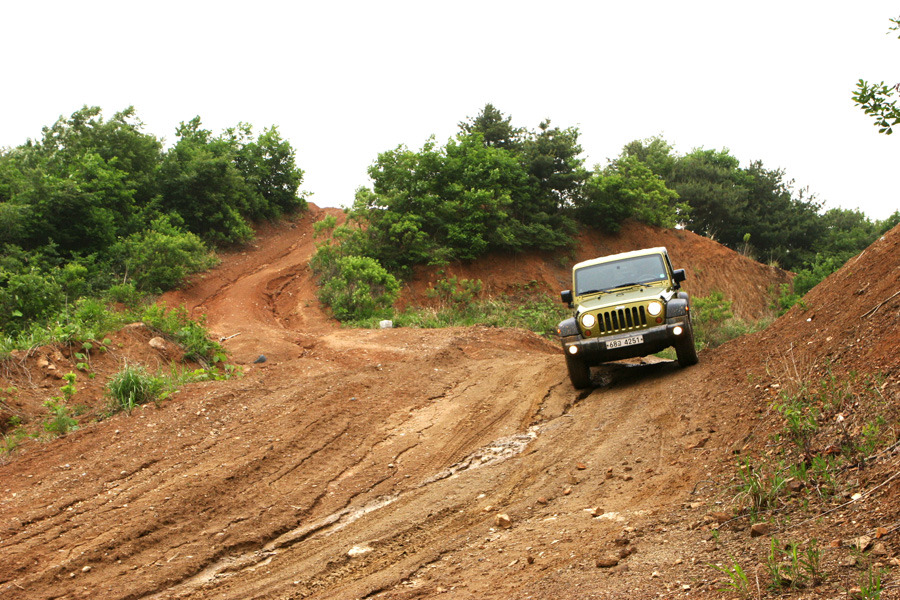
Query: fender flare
568	328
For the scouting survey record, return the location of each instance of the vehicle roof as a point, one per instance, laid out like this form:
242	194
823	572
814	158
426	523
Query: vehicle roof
620	256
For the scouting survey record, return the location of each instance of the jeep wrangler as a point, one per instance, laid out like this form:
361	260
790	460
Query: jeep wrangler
626	305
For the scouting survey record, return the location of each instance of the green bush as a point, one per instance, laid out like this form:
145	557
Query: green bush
61	420
159	258
26	297
806	279
125	293
190	334
714	323
360	288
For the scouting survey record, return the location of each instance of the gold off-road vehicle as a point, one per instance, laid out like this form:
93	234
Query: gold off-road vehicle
626	305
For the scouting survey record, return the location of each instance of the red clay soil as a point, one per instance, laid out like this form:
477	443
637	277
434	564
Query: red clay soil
405	463
709	266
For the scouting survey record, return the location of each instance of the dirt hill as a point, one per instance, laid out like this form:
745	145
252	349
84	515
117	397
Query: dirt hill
709	266
414	463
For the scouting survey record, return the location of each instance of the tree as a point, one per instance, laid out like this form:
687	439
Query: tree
268	165
201	183
459	201
81	185
496	129
552	158
878	99
627	188
713	185
654	152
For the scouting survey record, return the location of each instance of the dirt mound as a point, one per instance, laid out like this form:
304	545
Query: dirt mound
409	463
709	267
30	378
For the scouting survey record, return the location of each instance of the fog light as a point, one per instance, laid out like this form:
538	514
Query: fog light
573	349
677	330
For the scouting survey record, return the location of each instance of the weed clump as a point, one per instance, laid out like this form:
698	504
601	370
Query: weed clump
132	387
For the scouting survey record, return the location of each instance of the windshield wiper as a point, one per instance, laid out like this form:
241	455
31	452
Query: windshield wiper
626	285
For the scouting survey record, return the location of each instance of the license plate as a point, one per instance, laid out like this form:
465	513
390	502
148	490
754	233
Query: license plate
629	341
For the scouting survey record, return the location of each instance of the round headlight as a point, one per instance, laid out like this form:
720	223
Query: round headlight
654	308
588	320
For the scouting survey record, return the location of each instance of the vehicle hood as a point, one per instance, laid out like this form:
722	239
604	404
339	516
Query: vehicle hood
613	299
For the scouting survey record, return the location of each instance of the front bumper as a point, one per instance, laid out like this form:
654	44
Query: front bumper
655	339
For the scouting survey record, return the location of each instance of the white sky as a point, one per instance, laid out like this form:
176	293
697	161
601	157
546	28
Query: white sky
343	81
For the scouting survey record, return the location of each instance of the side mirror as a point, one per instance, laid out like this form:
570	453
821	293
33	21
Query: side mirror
679	276
566	296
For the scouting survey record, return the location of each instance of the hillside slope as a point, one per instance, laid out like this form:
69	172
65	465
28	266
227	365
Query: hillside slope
409	463
709	267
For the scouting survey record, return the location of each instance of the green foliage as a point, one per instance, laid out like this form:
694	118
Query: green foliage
456	292
714	322
805	279
793	568
95	203
324	224
492	187
800	416
268	165
737	579
26	297
124	293
61	420
358	288
628	188
133	386
878	99
190	334
728	202
892	221
871	583
159	258
759	487
9	442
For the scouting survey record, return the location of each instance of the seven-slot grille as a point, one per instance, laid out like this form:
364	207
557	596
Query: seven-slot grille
621	319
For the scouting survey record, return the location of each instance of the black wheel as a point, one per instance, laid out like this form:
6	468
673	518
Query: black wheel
685	349
579	372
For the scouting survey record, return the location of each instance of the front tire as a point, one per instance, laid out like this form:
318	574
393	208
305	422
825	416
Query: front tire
579	372
685	349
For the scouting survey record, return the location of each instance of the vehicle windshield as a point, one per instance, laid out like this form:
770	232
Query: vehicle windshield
639	270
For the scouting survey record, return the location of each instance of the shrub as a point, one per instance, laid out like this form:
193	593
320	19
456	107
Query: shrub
715	324
125	293
25	297
61	420
191	335
160	258
133	386
359	289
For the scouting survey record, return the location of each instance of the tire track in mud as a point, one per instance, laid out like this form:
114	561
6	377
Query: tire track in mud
362	504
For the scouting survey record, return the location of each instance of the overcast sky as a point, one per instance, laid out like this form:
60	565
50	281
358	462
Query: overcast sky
768	80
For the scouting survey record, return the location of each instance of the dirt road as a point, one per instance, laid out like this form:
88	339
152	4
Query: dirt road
395	463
